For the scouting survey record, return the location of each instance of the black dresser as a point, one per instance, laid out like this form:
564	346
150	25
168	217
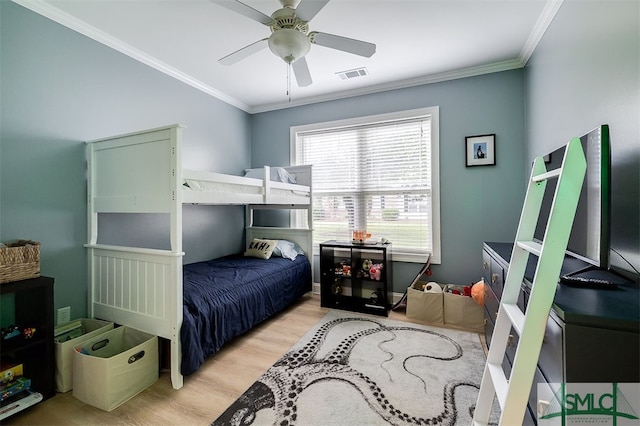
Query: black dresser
592	335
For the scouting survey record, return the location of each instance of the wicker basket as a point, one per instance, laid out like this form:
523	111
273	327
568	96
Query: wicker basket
19	260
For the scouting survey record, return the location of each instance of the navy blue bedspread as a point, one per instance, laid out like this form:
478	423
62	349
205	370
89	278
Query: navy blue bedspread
226	297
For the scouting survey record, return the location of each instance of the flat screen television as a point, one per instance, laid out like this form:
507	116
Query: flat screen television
589	238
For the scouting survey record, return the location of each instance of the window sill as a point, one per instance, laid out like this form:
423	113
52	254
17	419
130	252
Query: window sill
413	257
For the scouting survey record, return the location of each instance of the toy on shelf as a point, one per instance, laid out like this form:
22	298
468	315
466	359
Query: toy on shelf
376	298
363	272
343	268
10	373
29	332
14	331
10	332
11	388
336	287
375	271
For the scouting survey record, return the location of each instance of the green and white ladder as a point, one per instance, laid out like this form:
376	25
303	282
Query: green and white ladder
513	392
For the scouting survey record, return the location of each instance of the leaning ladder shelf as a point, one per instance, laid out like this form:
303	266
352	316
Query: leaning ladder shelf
513	392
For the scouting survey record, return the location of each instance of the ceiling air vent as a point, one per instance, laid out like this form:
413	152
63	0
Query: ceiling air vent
358	72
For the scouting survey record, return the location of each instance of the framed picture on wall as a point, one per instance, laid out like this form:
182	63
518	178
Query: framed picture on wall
480	150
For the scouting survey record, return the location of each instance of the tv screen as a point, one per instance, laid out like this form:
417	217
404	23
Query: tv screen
589	238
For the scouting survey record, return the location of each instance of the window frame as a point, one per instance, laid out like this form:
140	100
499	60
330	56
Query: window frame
434	112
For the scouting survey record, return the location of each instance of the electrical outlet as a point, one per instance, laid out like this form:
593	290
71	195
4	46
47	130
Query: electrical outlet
64	315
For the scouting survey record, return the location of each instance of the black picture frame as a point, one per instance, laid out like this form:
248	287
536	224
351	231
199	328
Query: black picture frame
480	150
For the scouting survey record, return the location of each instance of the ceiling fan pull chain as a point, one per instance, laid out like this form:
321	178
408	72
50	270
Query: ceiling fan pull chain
289	80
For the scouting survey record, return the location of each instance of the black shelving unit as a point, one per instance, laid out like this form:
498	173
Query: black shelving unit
346	281
32	307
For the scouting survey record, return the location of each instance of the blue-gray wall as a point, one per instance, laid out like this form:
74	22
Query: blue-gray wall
59	89
476	204
586	72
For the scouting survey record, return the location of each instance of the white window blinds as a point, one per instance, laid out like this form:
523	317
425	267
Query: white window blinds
377	176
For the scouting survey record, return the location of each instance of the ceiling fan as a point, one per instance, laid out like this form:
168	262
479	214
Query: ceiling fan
290	37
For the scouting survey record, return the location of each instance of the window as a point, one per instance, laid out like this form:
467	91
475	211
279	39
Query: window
378	173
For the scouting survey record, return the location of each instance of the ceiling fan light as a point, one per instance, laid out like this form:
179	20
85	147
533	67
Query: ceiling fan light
290	45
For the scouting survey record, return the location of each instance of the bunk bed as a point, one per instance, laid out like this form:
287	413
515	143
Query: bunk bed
143	287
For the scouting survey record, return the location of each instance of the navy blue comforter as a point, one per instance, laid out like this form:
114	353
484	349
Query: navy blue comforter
225	297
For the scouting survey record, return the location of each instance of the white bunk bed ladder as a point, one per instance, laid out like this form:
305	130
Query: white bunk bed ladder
513	392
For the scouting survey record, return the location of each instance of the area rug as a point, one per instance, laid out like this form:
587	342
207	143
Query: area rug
353	369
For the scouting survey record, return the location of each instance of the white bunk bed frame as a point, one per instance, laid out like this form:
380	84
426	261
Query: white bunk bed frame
141	173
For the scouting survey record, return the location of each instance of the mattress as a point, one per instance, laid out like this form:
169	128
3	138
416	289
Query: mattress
226	297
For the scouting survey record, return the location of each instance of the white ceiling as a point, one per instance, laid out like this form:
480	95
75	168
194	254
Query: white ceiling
418	41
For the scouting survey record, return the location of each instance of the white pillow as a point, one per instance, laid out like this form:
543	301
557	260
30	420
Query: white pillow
260	248
287	249
278	174
284	176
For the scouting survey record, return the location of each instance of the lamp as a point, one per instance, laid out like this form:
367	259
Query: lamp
289	44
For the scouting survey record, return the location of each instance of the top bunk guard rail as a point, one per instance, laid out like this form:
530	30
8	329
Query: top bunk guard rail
215	188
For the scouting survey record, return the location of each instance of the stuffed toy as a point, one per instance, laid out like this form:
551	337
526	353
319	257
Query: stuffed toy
375	271
432	287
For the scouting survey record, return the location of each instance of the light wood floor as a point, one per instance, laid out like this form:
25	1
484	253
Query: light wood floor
206	393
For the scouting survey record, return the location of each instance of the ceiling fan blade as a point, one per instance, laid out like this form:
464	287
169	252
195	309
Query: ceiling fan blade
301	71
246	51
345	44
245	10
307	9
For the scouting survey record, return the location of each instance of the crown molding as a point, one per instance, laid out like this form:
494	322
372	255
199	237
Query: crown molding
544	21
48	11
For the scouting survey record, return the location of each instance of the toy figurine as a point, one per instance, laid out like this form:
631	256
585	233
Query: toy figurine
346	270
336	287
28	332
11	331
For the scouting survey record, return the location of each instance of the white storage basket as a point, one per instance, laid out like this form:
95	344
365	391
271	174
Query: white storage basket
64	351
113	367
